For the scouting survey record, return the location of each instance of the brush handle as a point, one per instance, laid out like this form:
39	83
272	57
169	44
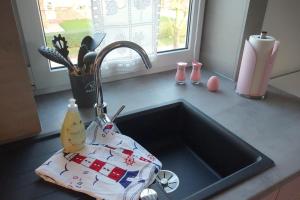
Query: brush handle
55	56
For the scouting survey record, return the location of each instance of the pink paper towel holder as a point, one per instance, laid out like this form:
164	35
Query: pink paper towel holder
245	79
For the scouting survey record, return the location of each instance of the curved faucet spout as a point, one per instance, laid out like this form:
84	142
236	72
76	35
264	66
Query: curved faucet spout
97	67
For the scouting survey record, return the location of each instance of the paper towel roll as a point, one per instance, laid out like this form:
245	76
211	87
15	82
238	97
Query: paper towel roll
263	49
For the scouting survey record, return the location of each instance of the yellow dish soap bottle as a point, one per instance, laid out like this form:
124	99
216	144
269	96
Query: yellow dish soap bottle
72	132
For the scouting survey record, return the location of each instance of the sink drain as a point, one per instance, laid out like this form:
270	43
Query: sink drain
168	180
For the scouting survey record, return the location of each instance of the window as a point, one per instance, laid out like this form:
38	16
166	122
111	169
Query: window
178	33
173	25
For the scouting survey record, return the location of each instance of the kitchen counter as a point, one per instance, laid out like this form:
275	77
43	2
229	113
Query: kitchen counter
272	125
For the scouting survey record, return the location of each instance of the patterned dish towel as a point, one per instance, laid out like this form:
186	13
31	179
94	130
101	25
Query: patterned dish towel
111	166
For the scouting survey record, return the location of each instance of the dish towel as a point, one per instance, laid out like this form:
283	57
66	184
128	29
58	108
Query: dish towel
111	166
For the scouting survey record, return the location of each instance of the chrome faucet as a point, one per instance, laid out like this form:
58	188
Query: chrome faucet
99	106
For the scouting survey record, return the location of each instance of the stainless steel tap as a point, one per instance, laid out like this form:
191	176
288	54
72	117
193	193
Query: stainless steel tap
99	106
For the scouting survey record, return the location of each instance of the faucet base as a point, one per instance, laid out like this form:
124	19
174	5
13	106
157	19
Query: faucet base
101	109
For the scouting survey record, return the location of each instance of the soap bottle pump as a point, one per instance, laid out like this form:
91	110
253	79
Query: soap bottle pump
72	132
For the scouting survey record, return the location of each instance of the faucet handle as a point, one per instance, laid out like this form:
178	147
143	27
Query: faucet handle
117	113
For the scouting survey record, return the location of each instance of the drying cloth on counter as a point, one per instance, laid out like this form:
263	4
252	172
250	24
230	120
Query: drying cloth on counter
111	166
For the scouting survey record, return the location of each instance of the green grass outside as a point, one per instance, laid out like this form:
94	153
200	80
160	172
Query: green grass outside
76	25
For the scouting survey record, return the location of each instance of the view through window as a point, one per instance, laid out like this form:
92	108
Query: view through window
73	19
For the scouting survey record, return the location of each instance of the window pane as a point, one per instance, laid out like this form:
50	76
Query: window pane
173	25
73	19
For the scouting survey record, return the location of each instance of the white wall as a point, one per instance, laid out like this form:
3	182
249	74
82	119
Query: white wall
227	24
282	20
223	35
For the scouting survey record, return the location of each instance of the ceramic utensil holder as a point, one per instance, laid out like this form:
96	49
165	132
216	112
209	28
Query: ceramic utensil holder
84	90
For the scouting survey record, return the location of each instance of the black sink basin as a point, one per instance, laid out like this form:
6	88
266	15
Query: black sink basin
206	156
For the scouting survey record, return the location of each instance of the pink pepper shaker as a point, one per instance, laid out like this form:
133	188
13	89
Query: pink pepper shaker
196	72
180	74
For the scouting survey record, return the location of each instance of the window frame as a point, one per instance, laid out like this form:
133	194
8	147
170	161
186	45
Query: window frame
47	80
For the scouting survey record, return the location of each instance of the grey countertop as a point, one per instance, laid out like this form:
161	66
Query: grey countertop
272	125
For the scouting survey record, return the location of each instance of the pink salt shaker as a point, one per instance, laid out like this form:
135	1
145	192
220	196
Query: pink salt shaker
180	74
196	72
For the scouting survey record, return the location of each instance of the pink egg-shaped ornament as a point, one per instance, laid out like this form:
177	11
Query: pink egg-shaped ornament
213	84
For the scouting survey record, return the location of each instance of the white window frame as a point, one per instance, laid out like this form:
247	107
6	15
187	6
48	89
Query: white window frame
47	80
